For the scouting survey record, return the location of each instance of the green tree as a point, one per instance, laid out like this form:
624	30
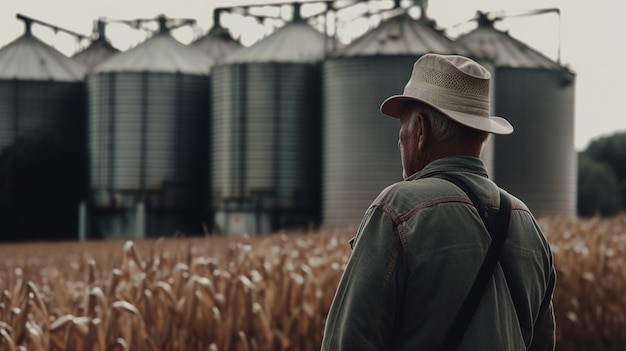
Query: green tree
598	188
611	150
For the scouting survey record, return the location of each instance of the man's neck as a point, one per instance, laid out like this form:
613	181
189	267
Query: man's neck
454	148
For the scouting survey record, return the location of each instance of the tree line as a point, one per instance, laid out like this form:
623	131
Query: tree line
602	176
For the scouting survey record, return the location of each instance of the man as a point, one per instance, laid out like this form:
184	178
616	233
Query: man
421	243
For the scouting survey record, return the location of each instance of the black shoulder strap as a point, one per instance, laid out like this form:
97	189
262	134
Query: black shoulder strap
498	233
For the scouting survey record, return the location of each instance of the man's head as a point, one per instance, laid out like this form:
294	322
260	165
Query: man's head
444	110
427	134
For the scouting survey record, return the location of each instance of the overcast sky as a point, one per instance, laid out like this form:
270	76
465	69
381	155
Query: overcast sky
591	37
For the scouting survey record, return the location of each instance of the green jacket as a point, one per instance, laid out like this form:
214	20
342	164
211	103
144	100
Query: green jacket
415	256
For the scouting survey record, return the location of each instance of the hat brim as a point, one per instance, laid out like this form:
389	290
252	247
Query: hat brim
393	105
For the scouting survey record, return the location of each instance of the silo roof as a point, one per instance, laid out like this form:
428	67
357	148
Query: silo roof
505	51
160	53
402	35
96	53
28	58
217	43
294	42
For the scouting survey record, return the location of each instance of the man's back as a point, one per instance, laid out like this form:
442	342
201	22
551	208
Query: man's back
422	243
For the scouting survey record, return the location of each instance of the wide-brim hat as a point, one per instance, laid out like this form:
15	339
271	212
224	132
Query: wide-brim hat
454	85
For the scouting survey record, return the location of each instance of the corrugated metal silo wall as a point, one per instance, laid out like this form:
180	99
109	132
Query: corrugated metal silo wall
265	138
360	145
488	153
147	141
225	139
538	161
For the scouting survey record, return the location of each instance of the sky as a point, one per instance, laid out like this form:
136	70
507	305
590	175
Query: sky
587	37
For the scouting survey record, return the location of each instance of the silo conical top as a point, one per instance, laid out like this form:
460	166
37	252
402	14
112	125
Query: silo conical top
100	48
28	58
96	53
402	35
295	42
489	43
217	43
161	53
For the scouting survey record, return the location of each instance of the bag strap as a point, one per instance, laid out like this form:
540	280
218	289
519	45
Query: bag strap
498	230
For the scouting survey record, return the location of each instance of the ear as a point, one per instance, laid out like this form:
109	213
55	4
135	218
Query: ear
421	132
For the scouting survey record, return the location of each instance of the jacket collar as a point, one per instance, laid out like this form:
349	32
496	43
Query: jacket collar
452	164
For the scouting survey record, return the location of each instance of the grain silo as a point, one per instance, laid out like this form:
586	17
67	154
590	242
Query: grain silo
41	90
42	108
265	132
147	138
360	145
538	161
99	50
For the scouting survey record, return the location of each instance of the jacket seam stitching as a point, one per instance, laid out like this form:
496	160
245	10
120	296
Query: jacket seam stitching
386	282
431	203
400	232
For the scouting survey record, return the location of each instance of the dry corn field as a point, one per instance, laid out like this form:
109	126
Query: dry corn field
255	293
590	294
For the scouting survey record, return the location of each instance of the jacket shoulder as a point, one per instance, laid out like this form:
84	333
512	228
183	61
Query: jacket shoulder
517	203
410	193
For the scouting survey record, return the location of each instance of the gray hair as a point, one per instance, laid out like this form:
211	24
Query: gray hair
443	127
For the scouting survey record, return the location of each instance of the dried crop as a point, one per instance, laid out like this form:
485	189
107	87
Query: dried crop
590	296
254	293
217	293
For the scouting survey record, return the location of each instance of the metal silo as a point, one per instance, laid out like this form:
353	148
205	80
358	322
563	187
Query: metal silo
98	51
360	146
41	90
265	132
538	161
147	134
42	104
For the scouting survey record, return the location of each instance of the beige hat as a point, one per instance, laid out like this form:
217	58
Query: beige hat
455	85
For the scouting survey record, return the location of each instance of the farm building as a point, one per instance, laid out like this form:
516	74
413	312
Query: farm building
265	132
285	133
42	141
147	134
360	149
